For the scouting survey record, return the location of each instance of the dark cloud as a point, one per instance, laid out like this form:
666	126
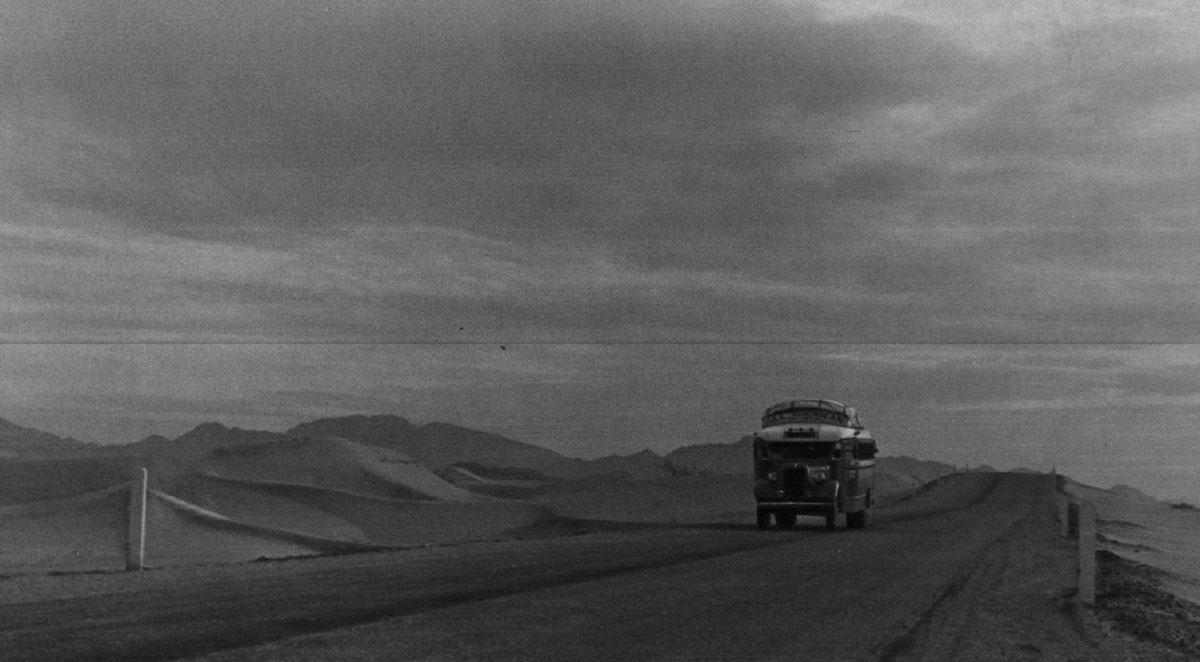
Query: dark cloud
1078	96
296	111
460	72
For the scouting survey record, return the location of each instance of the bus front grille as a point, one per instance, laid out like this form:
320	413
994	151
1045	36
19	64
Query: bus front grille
795	480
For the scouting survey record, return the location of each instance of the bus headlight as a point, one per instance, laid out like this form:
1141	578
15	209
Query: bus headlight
819	475
772	476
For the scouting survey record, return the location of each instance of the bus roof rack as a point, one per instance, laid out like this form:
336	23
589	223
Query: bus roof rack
811	410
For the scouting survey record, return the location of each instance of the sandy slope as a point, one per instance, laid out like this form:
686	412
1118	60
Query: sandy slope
1148	531
26	480
377	520
335	464
1148	578
231	495
277	499
180	534
86	532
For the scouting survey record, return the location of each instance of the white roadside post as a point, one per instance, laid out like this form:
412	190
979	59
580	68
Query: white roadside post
1064	515
1060	502
135	556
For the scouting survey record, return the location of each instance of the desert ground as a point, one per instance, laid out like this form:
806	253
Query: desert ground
970	567
388	541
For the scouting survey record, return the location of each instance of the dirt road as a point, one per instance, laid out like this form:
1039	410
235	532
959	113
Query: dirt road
970	570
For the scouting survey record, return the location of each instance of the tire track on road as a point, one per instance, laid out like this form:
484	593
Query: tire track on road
1010	603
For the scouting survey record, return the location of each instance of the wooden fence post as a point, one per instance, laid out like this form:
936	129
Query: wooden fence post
135	556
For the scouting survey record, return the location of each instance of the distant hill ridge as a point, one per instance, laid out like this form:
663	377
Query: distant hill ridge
735	458
18	441
439	447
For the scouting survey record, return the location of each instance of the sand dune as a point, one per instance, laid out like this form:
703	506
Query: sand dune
305	497
25	480
397	469
377	520
86	532
179	533
223	495
255	504
336	464
281	498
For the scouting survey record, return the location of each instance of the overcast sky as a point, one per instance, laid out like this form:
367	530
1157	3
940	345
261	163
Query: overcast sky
603	226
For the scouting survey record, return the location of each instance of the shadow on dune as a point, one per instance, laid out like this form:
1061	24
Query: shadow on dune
379	520
180	532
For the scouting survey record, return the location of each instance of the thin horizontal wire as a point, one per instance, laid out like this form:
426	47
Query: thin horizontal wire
702	343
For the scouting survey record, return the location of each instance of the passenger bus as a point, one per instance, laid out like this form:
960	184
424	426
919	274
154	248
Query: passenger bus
813	458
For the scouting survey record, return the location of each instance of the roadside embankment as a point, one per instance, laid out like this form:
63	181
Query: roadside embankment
1148	573
1131	596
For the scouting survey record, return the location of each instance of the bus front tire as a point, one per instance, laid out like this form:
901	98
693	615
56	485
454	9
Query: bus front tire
856	520
785	520
831	521
764	519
